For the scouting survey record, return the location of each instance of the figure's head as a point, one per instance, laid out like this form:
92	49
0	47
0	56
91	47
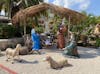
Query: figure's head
18	46
63	28
48	58
32	31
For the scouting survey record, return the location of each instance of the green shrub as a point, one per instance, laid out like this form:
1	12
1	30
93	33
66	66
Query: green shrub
97	42
9	31
55	28
39	29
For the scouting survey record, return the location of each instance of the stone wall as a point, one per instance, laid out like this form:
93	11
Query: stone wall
5	43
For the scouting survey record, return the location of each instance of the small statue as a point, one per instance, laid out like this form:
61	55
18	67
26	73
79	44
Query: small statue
60	38
71	48
57	64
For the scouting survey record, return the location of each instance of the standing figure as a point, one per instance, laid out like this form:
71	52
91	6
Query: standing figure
71	48
36	41
60	38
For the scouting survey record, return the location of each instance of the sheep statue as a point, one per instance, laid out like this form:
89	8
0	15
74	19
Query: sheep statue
12	53
55	64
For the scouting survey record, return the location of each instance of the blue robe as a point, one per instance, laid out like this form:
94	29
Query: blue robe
71	49
36	41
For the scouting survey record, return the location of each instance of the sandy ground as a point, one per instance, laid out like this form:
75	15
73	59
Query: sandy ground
89	63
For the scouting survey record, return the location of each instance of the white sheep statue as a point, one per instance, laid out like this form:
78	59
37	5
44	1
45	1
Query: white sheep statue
11	53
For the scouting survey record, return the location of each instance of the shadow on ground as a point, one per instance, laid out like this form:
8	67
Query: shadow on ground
23	61
87	53
1	54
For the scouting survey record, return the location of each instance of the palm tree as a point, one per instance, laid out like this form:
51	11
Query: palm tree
21	4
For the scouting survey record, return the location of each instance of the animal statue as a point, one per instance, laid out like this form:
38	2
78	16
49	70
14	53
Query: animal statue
12	53
23	50
28	43
56	65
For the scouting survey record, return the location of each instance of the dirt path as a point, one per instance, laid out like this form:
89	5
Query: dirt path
89	63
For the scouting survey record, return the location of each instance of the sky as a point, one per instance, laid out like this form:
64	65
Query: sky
90	6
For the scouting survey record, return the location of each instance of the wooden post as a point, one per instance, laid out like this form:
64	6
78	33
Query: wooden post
25	29
9	9
24	24
68	27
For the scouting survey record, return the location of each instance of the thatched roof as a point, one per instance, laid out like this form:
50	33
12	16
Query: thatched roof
31	11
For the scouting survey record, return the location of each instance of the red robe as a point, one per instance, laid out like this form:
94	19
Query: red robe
60	40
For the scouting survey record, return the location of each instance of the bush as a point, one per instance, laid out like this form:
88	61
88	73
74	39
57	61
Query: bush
97	42
39	29
9	31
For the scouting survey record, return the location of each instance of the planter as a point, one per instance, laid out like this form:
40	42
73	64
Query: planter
5	43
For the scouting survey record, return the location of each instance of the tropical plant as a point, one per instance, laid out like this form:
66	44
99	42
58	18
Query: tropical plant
86	28
39	29
97	44
24	4
9	31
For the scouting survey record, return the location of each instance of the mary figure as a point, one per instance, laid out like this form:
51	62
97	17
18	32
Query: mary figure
36	41
71	48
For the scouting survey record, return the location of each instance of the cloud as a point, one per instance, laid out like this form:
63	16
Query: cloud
58	2
82	4
47	1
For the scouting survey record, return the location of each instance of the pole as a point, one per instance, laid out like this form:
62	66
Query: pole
9	9
24	29
67	37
